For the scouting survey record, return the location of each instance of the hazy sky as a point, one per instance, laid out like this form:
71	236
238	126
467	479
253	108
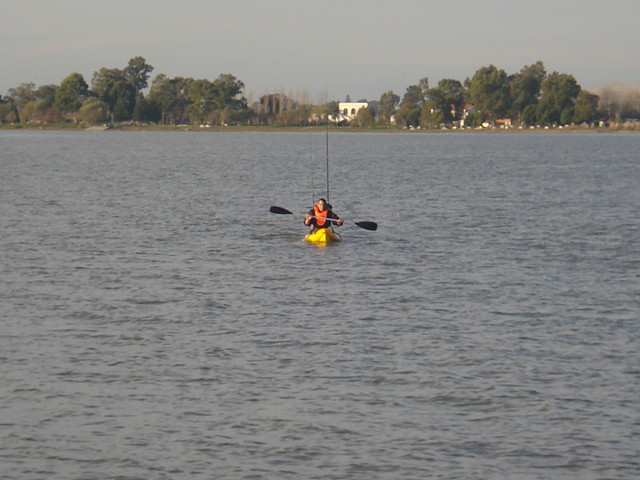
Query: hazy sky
356	47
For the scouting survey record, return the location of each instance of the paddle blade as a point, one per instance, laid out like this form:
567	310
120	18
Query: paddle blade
280	210
373	226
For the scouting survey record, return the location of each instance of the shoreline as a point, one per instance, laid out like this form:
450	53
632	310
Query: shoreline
270	128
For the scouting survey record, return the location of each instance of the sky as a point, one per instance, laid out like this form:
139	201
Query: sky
320	49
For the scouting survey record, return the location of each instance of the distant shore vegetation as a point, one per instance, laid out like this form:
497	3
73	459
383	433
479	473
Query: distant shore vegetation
490	99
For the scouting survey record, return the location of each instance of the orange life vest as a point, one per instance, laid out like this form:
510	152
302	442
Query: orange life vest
321	216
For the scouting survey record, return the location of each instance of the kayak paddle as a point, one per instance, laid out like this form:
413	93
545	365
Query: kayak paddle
280	210
366	225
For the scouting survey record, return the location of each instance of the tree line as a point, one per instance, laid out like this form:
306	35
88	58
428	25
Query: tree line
117	95
530	97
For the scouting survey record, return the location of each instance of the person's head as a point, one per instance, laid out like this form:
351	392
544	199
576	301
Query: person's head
322	204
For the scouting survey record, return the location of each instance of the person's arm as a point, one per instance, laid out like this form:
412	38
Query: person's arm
308	219
335	218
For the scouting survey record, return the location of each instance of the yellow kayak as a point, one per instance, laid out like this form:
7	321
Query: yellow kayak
323	237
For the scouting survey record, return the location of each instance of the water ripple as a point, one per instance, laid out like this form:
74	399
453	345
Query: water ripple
158	324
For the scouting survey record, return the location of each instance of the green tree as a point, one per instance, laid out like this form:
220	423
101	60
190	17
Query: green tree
94	111
215	102
111	87
388	103
146	111
524	88
40	107
414	95
408	115
73	91
228	90
424	85
122	110
136	74
431	115
566	116
120	88
331	109
21	96
7	110
365	118
244	116
170	96
489	92
585	108
300	115
474	119
201	96
529	115
46	93
38	111
448	98
559	93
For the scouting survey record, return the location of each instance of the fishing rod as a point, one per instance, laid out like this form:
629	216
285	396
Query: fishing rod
326	101
313	187
327	142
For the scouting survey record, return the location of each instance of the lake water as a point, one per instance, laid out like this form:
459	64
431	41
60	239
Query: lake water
159	323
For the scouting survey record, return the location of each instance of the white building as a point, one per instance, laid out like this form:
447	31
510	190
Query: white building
347	111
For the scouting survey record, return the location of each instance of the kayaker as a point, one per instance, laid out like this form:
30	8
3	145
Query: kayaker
319	215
